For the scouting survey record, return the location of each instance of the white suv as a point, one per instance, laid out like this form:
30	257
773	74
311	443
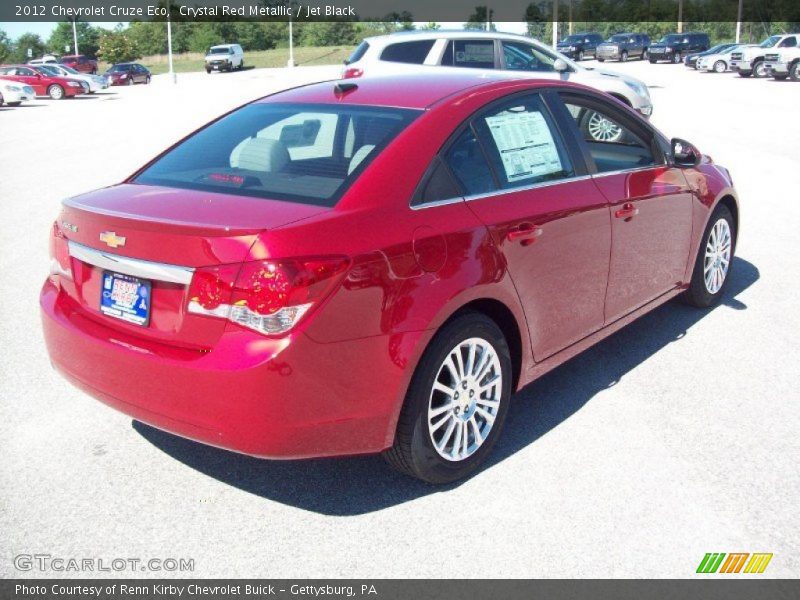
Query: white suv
783	64
225	57
750	61
518	55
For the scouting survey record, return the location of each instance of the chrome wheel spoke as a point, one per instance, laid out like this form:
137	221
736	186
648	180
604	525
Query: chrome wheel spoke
465	399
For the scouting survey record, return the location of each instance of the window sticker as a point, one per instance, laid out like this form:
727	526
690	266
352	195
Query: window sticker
476	53
526	145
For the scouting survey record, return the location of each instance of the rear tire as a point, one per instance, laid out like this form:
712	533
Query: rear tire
429	442
601	60
652	61
624	56
11	103
580	56
705	288
780	77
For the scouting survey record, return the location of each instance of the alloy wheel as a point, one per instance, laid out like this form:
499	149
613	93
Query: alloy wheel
718	256
760	70
602	129
465	399
719	66
56	92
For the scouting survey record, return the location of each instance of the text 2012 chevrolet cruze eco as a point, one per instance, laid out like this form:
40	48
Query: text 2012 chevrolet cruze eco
350	268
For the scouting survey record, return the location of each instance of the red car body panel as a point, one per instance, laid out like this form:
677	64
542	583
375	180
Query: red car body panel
41	81
336	383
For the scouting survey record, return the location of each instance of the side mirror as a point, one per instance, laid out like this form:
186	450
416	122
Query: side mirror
684	154
560	65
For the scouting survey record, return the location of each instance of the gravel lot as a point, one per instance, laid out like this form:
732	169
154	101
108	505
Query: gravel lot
675	437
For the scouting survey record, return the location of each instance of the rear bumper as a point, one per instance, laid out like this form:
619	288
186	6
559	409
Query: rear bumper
284	398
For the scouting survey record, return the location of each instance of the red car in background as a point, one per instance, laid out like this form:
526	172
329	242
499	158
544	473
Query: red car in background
346	268
79	62
127	74
43	83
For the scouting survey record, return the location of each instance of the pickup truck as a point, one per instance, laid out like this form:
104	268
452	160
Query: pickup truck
784	63
751	61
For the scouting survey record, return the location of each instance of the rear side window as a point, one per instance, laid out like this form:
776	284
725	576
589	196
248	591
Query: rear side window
788	43
408	52
524	57
358	53
523	143
298	152
471	54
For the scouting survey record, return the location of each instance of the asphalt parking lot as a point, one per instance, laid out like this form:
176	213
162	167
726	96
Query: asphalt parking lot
675	437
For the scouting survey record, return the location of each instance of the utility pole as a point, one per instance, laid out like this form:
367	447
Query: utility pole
739	22
680	16
169	43
75	36
555	24
570	18
290	62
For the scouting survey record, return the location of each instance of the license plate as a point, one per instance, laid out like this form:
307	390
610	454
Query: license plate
126	298
215	67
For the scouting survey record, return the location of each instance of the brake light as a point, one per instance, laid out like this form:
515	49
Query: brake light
267	296
59	255
352	72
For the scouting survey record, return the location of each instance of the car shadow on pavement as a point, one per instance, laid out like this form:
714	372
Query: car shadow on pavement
364	484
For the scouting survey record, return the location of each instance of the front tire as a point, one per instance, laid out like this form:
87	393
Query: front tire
652	61
720	66
677	58
759	70
714	258
456	404
580	56
624	56
794	72
56	92
11	103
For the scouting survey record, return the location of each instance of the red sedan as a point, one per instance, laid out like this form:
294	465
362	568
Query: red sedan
349	268
42	82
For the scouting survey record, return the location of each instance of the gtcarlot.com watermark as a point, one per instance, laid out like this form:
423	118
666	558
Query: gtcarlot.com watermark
70	564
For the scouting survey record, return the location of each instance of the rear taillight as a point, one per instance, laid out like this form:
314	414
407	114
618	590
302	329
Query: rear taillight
59	255
267	296
352	72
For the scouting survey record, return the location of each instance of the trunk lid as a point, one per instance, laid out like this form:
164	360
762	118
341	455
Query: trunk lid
159	235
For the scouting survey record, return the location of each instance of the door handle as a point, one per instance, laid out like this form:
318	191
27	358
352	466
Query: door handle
627	212
526	233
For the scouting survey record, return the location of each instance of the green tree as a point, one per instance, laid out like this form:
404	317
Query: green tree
327	33
25	42
149	37
116	46
6	47
478	19
88	38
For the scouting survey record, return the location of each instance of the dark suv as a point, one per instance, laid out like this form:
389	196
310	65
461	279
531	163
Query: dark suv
622	46
580	45
675	46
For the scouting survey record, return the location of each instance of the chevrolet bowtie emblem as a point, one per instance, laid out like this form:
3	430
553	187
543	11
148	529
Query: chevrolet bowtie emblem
112	239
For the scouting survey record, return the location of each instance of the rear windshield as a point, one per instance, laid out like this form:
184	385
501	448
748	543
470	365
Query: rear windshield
358	53
120	68
308	153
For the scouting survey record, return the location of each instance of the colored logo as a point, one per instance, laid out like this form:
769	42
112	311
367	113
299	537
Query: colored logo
736	562
112	239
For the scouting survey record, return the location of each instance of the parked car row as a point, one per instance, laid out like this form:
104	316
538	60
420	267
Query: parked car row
778	56
55	80
79	62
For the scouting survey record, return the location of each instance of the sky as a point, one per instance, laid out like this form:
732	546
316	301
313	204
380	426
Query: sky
14	30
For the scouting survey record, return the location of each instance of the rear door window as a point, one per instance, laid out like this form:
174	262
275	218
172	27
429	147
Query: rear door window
298	152
523	144
471	54
413	53
468	164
